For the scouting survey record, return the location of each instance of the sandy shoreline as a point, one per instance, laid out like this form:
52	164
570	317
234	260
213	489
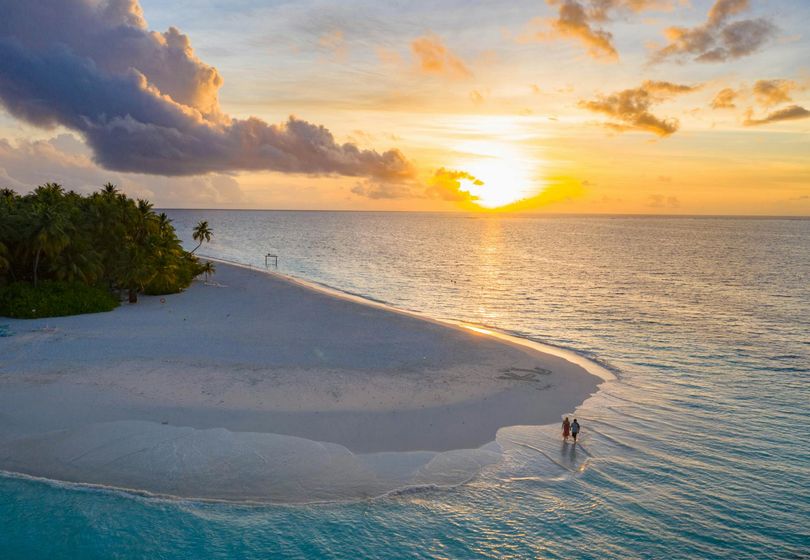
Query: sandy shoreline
226	391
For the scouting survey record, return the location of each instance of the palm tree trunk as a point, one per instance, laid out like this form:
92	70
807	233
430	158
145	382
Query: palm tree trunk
133	295
195	248
36	265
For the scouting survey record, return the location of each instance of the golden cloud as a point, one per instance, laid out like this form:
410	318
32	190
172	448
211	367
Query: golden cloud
447	184
577	19
433	58
773	92
724	99
630	108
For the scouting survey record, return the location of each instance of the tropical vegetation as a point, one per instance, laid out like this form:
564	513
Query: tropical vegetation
63	253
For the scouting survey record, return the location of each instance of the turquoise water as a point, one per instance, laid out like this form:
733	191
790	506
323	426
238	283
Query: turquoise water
699	450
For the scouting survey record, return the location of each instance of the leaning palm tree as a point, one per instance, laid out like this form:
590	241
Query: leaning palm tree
201	233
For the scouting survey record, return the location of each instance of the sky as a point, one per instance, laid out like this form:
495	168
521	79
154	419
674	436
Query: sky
559	106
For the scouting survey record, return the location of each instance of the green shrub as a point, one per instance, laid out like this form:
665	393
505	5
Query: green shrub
53	299
162	288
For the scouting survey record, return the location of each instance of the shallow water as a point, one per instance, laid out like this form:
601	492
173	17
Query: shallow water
699	449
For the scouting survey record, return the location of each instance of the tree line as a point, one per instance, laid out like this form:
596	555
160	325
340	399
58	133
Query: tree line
105	240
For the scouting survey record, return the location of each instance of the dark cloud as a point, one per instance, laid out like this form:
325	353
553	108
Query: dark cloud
145	103
717	39
579	19
724	99
630	108
791	113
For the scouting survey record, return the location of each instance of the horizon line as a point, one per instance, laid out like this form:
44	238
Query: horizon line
485	213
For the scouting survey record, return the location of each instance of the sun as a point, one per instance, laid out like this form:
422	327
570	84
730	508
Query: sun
507	174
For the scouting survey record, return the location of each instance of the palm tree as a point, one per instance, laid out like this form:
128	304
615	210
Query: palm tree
50	237
164	223
145	207
5	264
208	269
49	234
109	190
201	233
6	199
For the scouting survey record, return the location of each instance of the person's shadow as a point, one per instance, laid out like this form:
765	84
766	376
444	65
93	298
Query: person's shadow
568	451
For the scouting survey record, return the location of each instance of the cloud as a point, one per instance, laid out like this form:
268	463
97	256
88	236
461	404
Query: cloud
724	99
145	103
661	201
791	113
376	190
766	93
433	58
573	21
448	184
600	9
631	107
66	160
773	92
717	39
577	19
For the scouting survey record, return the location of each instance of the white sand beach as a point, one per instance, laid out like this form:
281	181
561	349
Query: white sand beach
258	387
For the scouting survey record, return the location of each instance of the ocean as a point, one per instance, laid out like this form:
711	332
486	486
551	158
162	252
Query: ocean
699	449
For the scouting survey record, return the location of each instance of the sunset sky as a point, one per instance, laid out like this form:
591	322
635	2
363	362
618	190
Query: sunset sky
581	106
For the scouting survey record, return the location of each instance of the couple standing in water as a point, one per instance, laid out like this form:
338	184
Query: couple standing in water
570	428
